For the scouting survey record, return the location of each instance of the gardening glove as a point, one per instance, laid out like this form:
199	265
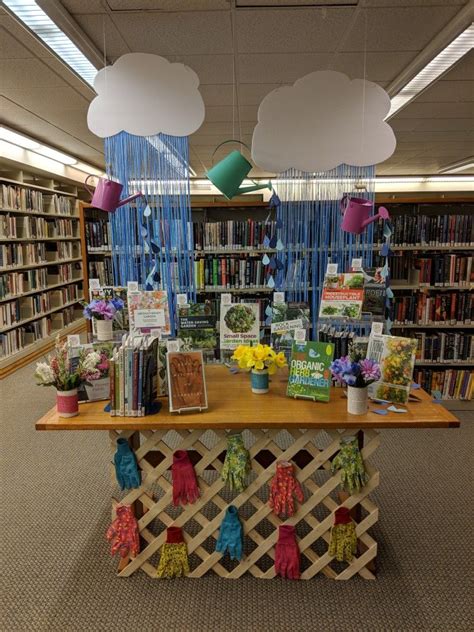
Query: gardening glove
287	553
126	468
174	555
343	542
349	461
236	464
282	489
185	487
123	533
230	534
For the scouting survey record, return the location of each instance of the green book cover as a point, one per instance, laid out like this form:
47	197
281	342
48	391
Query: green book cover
310	375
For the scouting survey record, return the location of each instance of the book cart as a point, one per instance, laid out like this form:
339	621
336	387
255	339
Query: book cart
311	433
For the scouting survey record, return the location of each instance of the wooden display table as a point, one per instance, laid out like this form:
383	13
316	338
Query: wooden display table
273	421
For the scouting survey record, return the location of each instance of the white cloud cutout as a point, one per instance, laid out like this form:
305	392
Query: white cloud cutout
321	122
144	95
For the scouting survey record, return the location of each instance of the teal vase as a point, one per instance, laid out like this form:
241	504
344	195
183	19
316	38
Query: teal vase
259	381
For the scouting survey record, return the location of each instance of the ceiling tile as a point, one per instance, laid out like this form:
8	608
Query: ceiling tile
226	113
28	73
99	28
463	70
448	91
211	69
437	110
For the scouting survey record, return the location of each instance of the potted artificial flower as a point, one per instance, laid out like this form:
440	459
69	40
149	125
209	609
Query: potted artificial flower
356	374
103	312
67	376
262	361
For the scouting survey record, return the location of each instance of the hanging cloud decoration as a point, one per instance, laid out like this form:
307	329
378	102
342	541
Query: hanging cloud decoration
323	120
145	95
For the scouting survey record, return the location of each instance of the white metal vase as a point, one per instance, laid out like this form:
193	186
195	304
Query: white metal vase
357	400
104	329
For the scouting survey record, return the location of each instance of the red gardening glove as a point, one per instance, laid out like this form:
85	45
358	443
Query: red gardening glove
287	553
123	533
185	487
282	489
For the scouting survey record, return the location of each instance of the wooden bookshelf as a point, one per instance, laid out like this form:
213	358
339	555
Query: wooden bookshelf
90	255
36	215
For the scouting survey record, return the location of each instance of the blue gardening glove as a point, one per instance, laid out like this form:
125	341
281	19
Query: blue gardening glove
126	468
230	534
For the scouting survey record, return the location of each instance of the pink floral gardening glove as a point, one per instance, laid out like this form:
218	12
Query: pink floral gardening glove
123	533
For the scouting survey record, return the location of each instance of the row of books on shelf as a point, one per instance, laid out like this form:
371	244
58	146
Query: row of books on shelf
13	255
25	199
445	270
98	235
430	230
20	309
101	270
14	283
14	227
445	346
451	383
232	234
17	339
420	308
229	272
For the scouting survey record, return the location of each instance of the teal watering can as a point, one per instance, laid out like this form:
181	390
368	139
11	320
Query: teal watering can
231	171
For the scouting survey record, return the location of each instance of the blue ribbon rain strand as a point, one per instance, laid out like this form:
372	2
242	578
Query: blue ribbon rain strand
154	248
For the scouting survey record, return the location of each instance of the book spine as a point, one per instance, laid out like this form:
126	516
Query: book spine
135	383
112	386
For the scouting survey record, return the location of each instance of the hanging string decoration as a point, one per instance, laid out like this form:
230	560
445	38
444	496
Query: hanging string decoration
310	218
152	238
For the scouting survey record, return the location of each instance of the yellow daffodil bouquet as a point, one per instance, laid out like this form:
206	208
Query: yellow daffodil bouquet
259	358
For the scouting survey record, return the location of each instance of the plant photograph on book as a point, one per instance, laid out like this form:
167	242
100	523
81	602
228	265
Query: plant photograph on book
396	356
197	328
239	325
342	298
286	317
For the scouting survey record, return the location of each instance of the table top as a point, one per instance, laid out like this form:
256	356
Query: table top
233	405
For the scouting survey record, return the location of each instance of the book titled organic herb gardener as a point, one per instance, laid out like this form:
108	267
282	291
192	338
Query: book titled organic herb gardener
310	376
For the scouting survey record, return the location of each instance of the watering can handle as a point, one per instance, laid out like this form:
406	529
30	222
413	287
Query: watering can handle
344	202
224	143
86	187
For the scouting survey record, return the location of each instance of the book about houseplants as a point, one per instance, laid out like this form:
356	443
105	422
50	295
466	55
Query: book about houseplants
342	295
310	375
197	328
286	318
396	357
239	325
149	309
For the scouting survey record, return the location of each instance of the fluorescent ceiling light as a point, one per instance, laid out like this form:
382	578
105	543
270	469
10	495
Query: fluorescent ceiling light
440	64
49	152
41	24
460	165
17	139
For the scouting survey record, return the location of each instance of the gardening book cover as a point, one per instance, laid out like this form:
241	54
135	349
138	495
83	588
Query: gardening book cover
343	295
239	325
149	310
197	328
396	356
186	380
374	292
97	389
286	317
310	375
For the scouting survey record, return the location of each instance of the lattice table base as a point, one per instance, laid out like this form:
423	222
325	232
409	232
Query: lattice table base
310	450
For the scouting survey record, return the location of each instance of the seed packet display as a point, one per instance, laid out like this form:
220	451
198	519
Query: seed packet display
95	390
342	295
310	375
149	310
286	318
186	381
239	325
396	356
197	328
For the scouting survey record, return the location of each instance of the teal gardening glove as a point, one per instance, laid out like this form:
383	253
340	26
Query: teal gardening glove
237	463
230	534
349	461
126	468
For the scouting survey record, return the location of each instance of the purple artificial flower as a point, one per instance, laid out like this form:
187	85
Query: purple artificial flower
117	303
370	370
341	368
103	310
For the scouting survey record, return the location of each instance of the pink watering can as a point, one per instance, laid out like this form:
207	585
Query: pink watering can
357	214
107	194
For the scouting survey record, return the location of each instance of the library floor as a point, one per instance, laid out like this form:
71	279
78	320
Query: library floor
57	573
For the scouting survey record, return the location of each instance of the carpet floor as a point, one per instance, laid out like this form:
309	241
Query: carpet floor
57	574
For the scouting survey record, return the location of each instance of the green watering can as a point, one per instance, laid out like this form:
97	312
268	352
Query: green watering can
231	171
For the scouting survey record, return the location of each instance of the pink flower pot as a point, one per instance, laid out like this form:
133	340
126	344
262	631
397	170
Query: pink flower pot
66	403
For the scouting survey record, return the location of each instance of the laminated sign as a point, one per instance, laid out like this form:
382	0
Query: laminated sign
310	375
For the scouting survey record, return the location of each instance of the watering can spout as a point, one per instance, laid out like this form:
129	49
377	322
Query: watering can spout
382	214
129	199
255	187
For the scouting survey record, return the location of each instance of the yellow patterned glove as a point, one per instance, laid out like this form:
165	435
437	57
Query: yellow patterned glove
349	461
237	463
343	543
174	555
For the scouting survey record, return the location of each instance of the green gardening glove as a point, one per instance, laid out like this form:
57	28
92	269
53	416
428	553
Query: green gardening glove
349	461
236	464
